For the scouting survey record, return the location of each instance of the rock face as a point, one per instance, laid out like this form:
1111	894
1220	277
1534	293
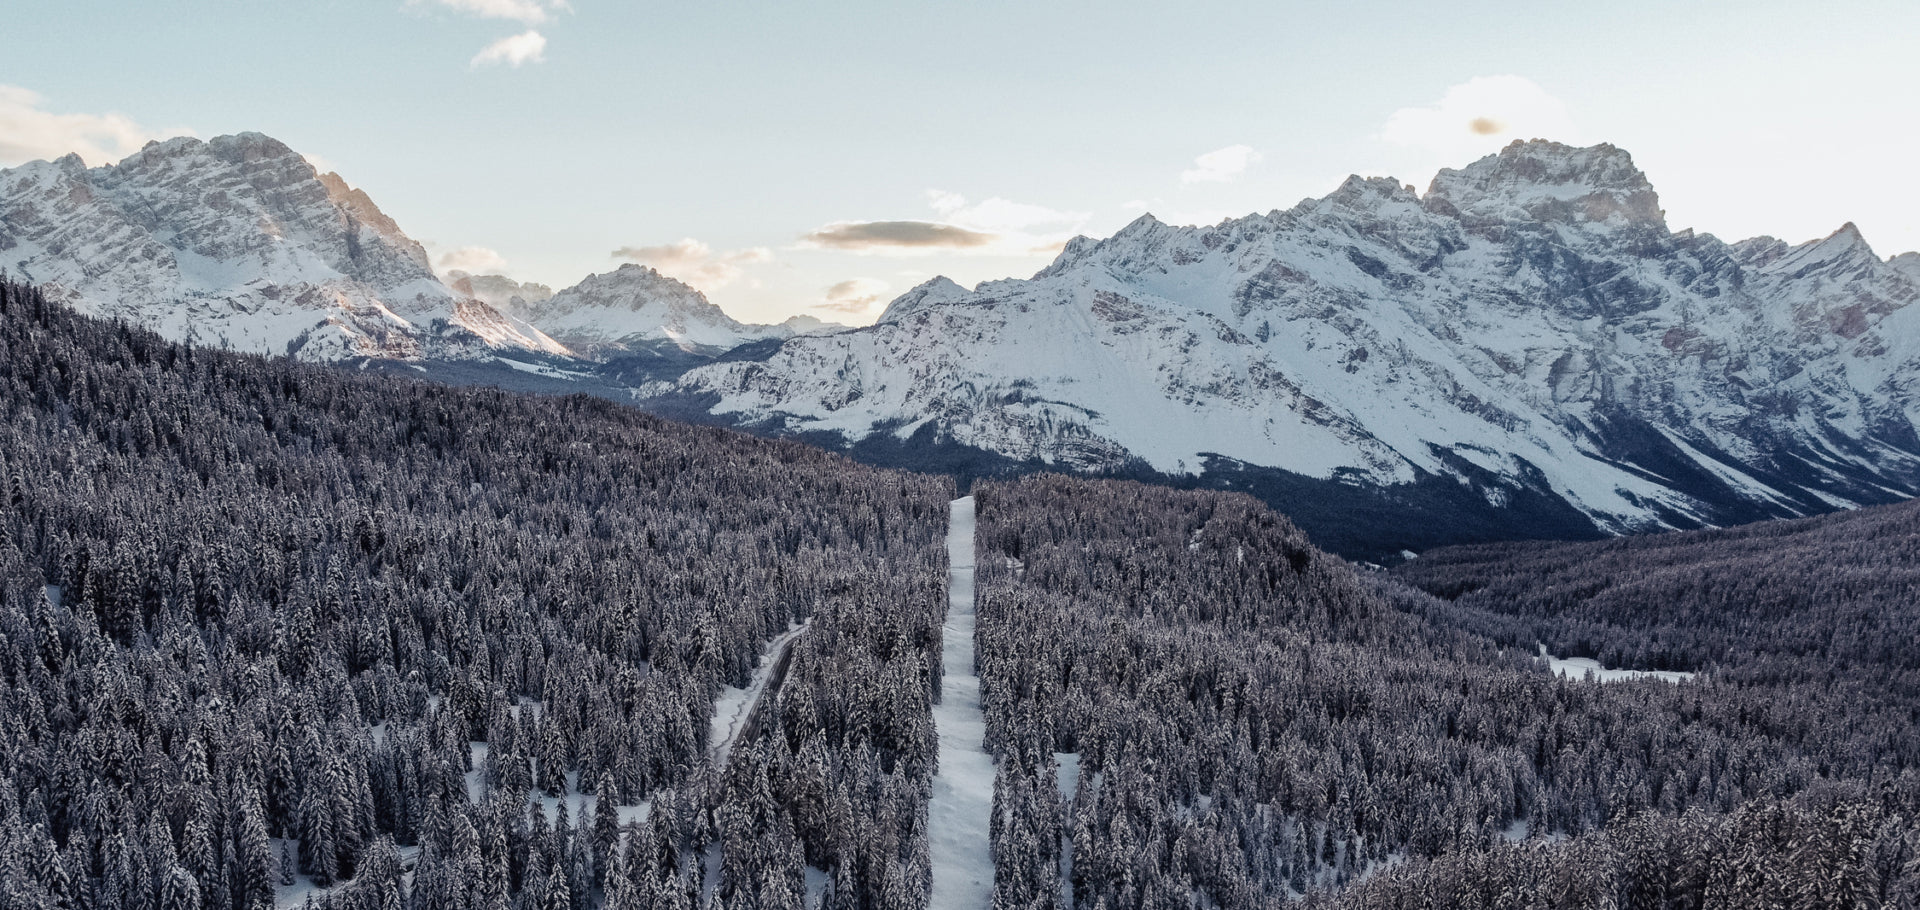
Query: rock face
238	242
1529	332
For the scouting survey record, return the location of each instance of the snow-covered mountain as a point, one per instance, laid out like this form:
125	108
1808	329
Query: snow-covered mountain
1527	346
635	308
237	241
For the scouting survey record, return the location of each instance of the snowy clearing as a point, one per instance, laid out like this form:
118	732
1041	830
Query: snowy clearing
962	804
1579	667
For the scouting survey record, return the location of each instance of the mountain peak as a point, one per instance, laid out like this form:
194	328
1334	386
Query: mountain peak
237	240
937	290
637	286
1548	181
1146	222
1843	252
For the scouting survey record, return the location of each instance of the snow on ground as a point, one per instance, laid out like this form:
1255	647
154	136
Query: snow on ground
816	885
962	803
53	595
1067	765
1067	775
302	887
580	805
1579	667
734	706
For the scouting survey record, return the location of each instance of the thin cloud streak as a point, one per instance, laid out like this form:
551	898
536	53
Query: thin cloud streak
1221	165
855	296
530	12
527	47
875	236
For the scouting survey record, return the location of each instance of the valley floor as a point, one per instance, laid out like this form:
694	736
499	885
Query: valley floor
961	808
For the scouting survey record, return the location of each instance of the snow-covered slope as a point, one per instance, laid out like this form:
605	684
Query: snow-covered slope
1530	328
237	241
634	307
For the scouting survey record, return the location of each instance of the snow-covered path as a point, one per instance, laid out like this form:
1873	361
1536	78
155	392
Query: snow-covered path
735	707
962	804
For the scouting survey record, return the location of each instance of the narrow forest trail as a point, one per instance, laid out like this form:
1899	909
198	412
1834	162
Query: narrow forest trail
962	803
735	710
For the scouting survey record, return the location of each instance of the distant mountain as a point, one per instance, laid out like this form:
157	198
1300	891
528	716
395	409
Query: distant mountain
238	242
635	308
498	291
1525	350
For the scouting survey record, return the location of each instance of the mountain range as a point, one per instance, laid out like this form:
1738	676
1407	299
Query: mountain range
240	242
1524	350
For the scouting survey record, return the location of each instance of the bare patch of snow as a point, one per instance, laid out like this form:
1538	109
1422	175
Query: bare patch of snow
1582	667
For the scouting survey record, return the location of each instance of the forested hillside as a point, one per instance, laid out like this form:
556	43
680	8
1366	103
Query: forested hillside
269	627
1833	593
1190	702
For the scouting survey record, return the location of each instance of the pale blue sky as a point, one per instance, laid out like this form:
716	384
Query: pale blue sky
747	125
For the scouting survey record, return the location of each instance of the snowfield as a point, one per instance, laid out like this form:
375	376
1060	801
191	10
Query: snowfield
1579	667
962	804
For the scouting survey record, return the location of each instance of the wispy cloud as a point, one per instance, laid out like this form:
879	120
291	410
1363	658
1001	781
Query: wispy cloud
995	226
527	47
1478	116
1221	165
1002	216
28	131
531	12
474	260
695	262
855	296
909	236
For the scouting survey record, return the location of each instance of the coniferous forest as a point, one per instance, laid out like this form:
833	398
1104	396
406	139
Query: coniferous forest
278	634
1245	719
264	623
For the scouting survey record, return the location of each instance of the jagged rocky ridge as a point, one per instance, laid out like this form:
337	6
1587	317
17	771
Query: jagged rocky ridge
1525	350
239	242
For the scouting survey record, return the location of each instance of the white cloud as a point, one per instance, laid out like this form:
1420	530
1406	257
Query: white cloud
1479	116
1001	216
531	12
527	47
29	132
321	165
695	262
1221	165
474	260
855	296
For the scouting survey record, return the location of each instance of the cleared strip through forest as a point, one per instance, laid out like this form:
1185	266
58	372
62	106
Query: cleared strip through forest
959	813
737	712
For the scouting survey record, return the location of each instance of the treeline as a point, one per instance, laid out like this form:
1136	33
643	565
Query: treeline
1252	721
264	623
